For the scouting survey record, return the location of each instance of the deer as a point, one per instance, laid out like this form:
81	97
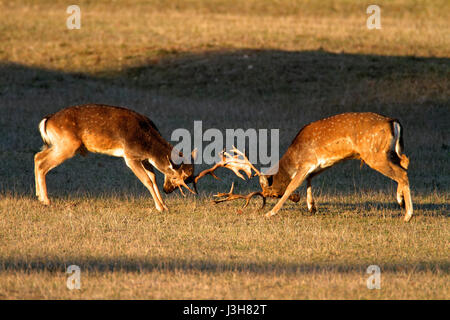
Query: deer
374	139
114	131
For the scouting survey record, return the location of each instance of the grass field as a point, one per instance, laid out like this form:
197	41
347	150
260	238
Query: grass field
244	64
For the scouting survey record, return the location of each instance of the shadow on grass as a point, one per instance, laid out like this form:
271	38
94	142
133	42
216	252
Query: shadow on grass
108	265
315	75
264	74
355	211
254	88
393	207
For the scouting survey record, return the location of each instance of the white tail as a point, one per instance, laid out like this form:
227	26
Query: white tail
404	161
113	131
43	131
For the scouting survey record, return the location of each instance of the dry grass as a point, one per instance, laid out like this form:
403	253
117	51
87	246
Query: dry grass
217	253
180	61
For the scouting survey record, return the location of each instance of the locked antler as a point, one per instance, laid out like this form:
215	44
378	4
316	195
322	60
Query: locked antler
227	196
236	163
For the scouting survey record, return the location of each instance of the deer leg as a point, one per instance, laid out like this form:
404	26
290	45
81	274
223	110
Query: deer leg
45	161
294	184
408	202
403	191
400	198
36	173
309	197
151	174
37	160
398	174
138	169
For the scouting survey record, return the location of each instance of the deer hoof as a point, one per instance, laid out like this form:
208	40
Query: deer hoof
270	214
159	209
45	201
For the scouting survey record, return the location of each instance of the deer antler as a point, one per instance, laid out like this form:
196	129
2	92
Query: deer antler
234	163
227	196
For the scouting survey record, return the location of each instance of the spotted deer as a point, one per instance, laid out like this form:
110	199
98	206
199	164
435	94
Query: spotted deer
114	131
374	139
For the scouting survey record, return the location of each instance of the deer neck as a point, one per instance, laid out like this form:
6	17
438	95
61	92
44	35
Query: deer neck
159	156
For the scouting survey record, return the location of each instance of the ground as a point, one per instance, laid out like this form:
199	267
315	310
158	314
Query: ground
255	64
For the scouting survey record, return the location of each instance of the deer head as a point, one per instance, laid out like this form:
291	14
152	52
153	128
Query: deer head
274	185
177	176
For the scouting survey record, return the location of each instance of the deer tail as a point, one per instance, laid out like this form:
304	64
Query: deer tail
398	144
43	131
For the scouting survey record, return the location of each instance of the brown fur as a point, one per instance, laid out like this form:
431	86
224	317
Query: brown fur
321	144
109	130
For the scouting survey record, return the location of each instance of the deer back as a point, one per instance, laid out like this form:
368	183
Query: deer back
109	130
323	143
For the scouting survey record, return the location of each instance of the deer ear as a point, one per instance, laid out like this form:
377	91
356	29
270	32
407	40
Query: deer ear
194	154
